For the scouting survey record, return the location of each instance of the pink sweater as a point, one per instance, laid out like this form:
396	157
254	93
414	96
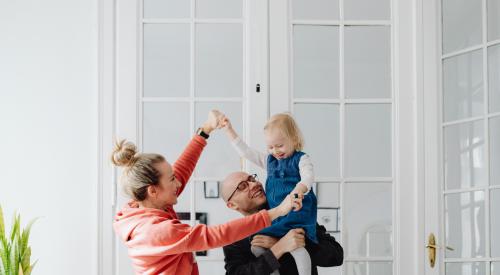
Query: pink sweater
158	243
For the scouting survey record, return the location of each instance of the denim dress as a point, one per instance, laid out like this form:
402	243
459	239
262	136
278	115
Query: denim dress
282	177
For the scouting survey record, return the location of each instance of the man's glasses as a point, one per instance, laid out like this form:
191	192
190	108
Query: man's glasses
242	186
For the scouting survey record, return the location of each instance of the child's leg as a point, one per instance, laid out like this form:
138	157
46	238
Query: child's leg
257	251
302	260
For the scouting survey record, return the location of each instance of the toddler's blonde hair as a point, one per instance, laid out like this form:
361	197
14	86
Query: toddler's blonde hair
285	123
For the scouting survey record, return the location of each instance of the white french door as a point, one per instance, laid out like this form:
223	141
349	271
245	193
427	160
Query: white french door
175	61
333	65
463	152
343	68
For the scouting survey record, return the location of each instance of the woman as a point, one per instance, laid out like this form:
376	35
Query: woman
157	242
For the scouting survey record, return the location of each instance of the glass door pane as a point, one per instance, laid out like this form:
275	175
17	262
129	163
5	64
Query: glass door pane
166	60
219	8
465	268
316	61
367	57
315	9
219	60
368	140
167	8
493	7
464	223
367	9
462	24
368	219
464	155
369	268
463	86
493	79
325	156
495	222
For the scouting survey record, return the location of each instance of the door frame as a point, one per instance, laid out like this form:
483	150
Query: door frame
430	116
106	132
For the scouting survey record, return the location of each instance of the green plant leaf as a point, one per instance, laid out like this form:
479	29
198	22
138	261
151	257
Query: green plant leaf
26	259
26	235
28	271
2	225
2	269
5	254
14	264
15	227
15	252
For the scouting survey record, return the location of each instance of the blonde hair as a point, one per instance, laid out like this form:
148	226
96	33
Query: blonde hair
285	123
139	169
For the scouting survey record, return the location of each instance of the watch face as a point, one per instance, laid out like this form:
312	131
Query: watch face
201	133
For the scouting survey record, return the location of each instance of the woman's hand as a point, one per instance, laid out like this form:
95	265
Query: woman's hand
299	191
292	240
289	203
213	121
264	241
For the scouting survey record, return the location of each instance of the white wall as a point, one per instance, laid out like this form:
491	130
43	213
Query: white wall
48	128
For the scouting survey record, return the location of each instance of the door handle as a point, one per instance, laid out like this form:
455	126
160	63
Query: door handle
432	247
437	247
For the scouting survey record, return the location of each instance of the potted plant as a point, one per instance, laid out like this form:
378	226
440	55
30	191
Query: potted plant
15	253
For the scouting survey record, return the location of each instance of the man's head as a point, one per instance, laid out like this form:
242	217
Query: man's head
243	192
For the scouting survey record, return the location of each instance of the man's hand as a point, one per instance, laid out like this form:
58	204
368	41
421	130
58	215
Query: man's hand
264	241
292	240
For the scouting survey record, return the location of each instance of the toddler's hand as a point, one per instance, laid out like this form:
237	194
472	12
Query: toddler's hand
226	123
297	194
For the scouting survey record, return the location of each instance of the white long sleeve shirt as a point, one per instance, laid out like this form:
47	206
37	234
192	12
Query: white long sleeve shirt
260	159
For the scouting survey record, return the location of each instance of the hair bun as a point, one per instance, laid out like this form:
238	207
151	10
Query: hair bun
123	153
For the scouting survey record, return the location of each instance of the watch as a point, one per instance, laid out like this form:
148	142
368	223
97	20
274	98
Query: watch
201	133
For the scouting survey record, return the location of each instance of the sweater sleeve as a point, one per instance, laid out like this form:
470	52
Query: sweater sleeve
172	237
258	158
185	164
306	172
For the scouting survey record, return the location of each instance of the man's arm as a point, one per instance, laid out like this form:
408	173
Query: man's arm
239	260
328	252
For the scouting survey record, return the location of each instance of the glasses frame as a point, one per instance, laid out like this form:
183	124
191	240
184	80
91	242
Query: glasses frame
254	179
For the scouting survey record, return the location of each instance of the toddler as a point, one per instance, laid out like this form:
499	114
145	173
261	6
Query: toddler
289	171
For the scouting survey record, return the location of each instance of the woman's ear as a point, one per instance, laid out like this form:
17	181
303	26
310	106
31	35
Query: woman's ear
152	191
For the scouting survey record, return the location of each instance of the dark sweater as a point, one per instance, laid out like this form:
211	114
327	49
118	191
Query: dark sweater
239	260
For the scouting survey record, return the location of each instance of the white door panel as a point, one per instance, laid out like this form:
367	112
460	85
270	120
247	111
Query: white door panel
463	197
175	61
337	79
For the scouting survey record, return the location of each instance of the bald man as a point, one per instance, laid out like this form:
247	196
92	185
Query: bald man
244	193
